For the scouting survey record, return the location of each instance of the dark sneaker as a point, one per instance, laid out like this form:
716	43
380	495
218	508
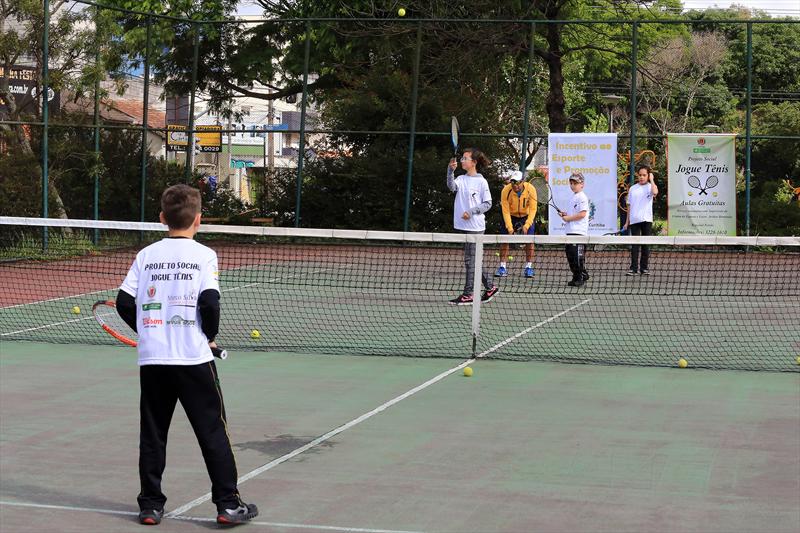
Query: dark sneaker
462	300
243	513
585	276
150	517
631	272
645	272
489	294
576	282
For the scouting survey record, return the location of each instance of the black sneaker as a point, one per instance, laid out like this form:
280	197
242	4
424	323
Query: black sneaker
645	272
150	517
631	272
243	513
489	294
462	300
585	276
576	282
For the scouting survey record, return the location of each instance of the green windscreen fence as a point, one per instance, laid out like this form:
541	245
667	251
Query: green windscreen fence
718	302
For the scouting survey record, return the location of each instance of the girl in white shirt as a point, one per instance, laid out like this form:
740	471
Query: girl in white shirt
640	217
472	201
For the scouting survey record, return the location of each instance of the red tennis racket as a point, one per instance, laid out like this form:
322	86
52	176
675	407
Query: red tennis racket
105	312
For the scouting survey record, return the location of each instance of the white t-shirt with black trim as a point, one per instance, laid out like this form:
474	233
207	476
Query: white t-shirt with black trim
579	202
166	279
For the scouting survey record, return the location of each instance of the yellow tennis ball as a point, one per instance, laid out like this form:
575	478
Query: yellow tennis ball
682	363
798	359
510	257
401	12
76	310
467	371
255	334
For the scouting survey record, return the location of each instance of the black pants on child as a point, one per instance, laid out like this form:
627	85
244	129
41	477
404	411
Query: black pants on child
640	228
197	388
576	257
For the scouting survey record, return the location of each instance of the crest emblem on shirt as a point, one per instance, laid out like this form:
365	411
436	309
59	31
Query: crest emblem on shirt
151	291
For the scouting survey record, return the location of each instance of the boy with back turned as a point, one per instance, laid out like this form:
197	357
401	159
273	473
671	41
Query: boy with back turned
171	298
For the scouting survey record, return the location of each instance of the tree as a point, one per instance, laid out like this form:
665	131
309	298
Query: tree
21	30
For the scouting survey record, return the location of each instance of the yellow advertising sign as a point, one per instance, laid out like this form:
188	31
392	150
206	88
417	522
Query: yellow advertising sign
209	138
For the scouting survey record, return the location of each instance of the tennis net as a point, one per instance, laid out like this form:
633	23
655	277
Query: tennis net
719	302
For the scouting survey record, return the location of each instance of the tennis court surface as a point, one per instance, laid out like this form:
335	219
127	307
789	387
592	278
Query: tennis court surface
334	431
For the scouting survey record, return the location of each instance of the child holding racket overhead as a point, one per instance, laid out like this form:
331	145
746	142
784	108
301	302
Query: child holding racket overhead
171	298
640	217
577	218
472	200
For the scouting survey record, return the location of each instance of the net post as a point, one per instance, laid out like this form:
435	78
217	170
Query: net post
477	280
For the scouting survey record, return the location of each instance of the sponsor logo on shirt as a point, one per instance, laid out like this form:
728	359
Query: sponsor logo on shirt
151	291
183	300
154	306
152	322
178	320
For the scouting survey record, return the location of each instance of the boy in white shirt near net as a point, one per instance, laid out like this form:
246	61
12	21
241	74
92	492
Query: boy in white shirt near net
577	218
640	217
171	298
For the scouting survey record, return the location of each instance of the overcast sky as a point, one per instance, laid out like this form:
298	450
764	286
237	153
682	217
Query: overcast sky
776	8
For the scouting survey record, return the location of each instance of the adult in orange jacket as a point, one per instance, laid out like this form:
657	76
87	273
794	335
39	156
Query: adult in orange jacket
518	202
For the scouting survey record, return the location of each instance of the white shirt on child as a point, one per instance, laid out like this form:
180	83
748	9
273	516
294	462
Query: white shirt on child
640	203
166	279
579	202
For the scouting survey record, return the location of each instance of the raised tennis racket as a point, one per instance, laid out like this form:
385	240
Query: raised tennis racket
105	312
544	194
454	136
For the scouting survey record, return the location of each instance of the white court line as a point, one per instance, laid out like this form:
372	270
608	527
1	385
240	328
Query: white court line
56	299
344	427
47	326
196	519
64	322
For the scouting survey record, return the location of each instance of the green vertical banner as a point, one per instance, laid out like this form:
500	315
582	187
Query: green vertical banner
701	178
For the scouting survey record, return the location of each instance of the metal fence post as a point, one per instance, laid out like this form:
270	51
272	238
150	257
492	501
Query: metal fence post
413	133
145	118
302	144
523	160
748	141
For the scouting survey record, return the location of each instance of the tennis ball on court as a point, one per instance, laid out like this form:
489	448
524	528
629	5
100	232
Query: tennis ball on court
682	363
401	12
76	310
798	359
497	254
510	257
467	371
255	334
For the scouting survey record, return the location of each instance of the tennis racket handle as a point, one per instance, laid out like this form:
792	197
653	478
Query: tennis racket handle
219	353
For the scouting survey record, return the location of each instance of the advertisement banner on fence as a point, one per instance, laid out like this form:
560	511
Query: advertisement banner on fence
595	156
701	178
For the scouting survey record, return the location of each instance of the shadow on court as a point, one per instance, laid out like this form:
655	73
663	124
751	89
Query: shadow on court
517	447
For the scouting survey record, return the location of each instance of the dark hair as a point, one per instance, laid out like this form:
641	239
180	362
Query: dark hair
481	161
180	204
649	170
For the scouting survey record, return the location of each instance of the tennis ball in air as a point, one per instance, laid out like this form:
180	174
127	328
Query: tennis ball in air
401	12
510	257
468	371
682	363
76	310
255	334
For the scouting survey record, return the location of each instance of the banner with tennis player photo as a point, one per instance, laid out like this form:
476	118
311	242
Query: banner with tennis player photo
595	156
701	184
